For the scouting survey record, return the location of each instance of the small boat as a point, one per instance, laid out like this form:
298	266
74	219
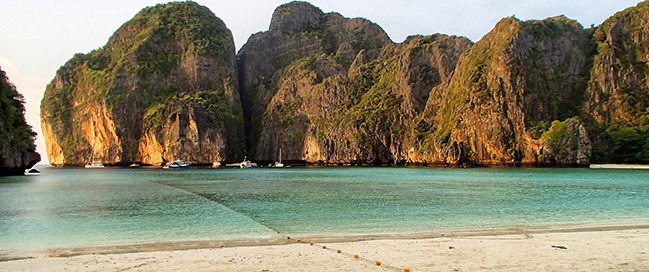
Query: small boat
134	165
95	164
32	172
244	164
247	164
216	165
176	164
279	164
182	164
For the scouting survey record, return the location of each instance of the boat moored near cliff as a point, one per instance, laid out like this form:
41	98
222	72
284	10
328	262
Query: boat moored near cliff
177	164
244	164
279	164
32	172
95	164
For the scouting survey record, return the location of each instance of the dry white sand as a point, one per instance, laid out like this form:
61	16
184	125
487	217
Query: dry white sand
613	249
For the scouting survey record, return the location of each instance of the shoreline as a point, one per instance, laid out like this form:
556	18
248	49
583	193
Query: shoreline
345	166
578	248
66	252
620	166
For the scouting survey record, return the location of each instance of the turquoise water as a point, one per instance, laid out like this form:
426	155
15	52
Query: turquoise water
79	207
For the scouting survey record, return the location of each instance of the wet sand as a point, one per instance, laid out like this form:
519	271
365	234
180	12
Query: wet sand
584	248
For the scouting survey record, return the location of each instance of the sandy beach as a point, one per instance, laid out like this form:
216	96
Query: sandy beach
611	248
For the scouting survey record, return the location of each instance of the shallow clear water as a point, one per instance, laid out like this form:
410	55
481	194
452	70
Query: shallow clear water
84	207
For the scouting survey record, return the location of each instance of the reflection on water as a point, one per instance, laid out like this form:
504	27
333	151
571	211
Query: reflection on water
79	207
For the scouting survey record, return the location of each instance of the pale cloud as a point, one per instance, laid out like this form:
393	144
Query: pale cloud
8	66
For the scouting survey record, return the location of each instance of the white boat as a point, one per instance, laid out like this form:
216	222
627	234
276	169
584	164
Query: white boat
95	164
32	172
244	164
171	165
134	165
279	164
176	164
182	164
247	164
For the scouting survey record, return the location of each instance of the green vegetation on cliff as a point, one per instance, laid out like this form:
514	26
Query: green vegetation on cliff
17	149
14	131
377	110
565	143
301	42
330	89
625	142
618	91
165	83
508	89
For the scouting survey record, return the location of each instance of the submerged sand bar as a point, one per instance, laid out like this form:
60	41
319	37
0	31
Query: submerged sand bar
582	248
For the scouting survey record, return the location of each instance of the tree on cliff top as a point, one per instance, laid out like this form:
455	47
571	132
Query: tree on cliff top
16	136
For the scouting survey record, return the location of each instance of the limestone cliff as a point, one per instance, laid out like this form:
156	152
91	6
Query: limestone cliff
618	92
333	90
395	88
17	149
506	91
434	100
326	89
298	32
164	87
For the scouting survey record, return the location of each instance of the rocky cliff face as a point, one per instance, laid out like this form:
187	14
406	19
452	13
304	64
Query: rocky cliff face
411	104
332	90
299	33
505	93
164	87
17	149
326	89
618	91
395	88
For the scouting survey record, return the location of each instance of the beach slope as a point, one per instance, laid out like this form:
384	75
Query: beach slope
613	249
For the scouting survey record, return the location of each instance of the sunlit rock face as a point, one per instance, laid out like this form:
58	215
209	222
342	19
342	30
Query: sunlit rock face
325	89
163	88
506	92
312	78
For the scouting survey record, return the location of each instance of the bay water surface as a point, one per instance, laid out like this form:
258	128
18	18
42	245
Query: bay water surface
93	207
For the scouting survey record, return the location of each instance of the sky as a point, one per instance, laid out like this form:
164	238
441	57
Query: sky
38	36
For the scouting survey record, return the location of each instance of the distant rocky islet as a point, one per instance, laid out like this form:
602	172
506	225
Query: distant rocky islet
326	89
